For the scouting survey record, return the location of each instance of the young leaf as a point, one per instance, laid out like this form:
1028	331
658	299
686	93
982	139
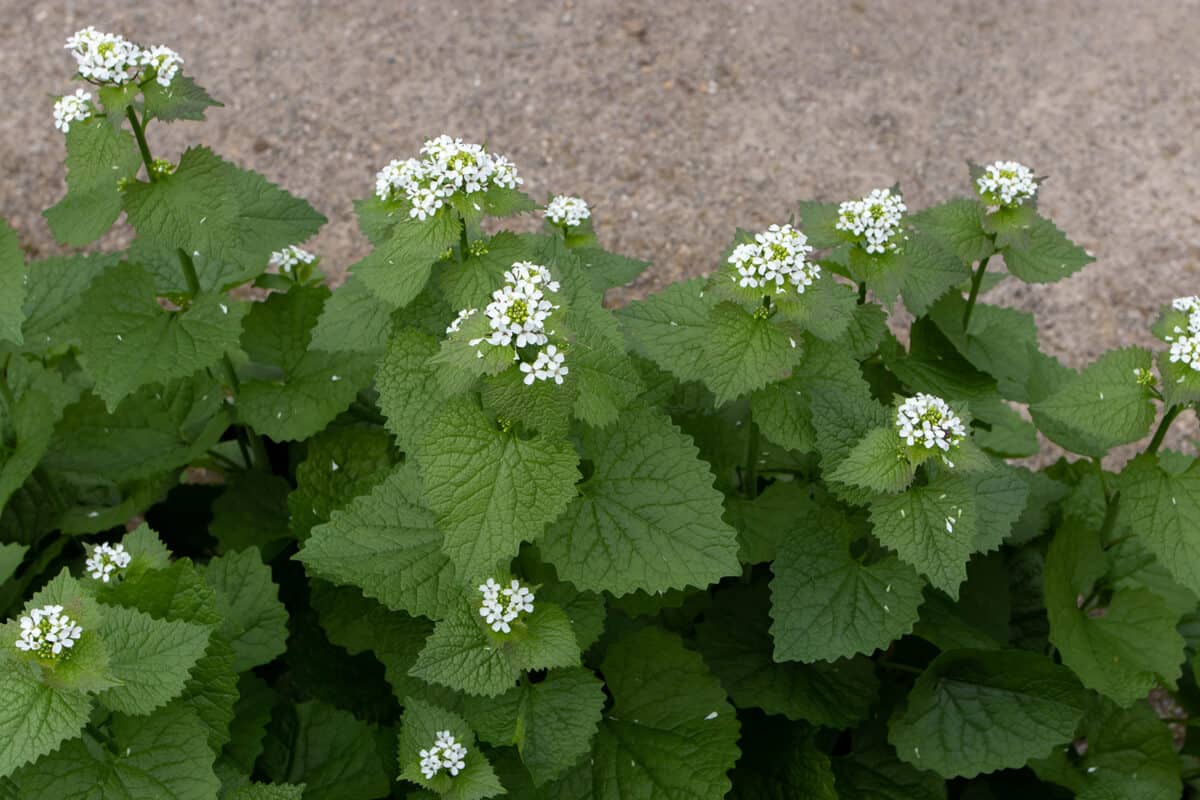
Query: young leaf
387	544
419	730
1040	253
254	620
826	605
672	328
182	99
150	657
1122	653
127	340
343	461
99	157
878	462
743	353
490	489
646	518
35	718
353	320
975	711
958	226
931	270
399	267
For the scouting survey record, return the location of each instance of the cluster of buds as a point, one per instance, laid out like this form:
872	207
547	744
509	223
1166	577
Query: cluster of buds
517	317
448	166
777	257
48	632
446	754
498	613
108	58
1006	184
927	421
874	220
105	560
569	212
1185	343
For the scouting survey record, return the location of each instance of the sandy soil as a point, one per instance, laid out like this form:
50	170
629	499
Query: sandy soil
680	120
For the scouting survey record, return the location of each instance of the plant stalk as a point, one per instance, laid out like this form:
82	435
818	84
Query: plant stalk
140	134
1161	432
976	282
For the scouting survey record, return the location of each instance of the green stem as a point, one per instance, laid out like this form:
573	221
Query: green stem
976	282
14	589
862	293
751	484
189	272
464	246
1161	432
139	133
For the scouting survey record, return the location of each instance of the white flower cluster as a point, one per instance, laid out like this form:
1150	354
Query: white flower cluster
499	613
517	316
107	559
446	754
779	256
927	420
449	166
48	632
875	219
1006	183
546	367
568	211
72	108
1185	344
110	58
290	257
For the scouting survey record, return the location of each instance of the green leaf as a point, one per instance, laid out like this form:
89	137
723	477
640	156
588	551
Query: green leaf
981	616
783	762
1161	506
35	718
671	328
251	512
254	620
743	353
975	711
399	267
490	489
387	544
878	462
820	223
552	722
470	283
1130	755
269	791
541	407
670	726
608	270
151	658
648	516
467	656
212	691
877	774
825	309
208	208
342	462
410	393
301	390
826	605
958	226
735	640
1101	408
55	288
178	592
1038	252
151	756
1128	649
420	728
327	749
12	284
99	157
38	397
86	668
182	99
352	320
931	271
11	556
154	430
127	340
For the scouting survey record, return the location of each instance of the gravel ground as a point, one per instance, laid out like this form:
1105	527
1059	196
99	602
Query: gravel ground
681	120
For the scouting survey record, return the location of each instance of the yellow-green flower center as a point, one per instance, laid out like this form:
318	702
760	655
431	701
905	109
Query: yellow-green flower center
518	312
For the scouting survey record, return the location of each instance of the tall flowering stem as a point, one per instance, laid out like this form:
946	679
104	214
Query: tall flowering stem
139	133
976	282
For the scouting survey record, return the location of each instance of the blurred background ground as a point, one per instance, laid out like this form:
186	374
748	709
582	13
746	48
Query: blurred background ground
680	120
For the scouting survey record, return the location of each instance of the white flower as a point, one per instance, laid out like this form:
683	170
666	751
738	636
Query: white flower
446	754
105	57
1006	183
499	613
107	559
519	309
165	62
874	220
1186	350
547	366
449	166
72	108
48	632
462	317
779	256
925	420
567	210
290	257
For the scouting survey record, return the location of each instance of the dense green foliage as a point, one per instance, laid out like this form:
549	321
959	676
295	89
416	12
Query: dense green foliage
749	581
